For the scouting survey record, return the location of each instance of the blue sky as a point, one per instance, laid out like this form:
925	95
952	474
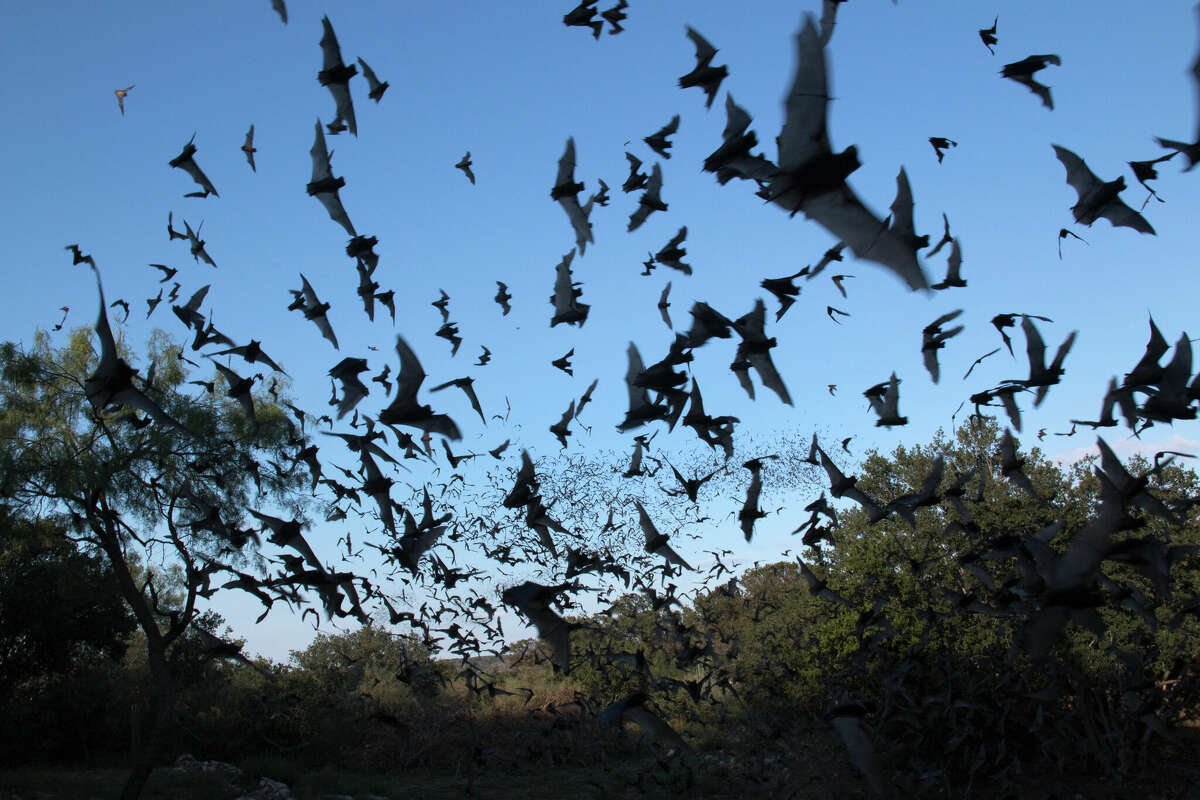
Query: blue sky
510	84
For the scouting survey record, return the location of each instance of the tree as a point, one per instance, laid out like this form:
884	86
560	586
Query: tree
120	485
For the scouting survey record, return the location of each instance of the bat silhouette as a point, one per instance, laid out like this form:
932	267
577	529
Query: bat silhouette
1064	233
185	162
388	299
249	149
1041	376
1023	71
979	360
324	186
704	75
838	282
171	232
632	708
812	178
656	543
750	511
464	164
404	409
565	299
733	158
314	310
533	601
664	304
239	389
671	255
353	389
335	75
1191	152
885	402
564	363
375	87
252	353
755	348
940	145
637	179
484	357
111	384
988	35
933	338
1098	198
196	244
566	192
1002	321
281	9
650	201
502	297
658	142
953	269
584	16
121	93
586	397
560	429
1144	171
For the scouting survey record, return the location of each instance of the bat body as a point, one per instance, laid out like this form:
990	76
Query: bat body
464	164
336	76
650	201
324	186
566	192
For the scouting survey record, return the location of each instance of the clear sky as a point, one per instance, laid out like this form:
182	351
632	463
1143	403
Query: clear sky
509	82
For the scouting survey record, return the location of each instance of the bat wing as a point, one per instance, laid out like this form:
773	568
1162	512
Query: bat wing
321	168
281	9
193	169
1081	179
828	20
842	214
1122	216
1040	89
704	50
331	53
769	375
411	374
579	221
345	105
337	212
566	164
804	135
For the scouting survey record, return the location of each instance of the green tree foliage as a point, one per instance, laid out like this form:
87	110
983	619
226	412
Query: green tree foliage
123	488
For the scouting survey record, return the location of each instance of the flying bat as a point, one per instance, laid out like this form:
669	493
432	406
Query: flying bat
502	297
953	269
252	353
933	338
671	255
324	186
566	191
111	384
1144	171
196	244
120	93
336	76
656	543
533	601
755	348
1041	376
664	304
940	145
1064	233
637	179
584	16
565	299
185	162
988	35
314	310
249	149
812	178
885	402
705	76
404	409
560	429
353	389
650	201
375	87
1023	71
280	9
464	164
733	158
658	142
564	363
1098	198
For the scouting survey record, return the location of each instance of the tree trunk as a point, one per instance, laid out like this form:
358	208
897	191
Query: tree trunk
151	725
